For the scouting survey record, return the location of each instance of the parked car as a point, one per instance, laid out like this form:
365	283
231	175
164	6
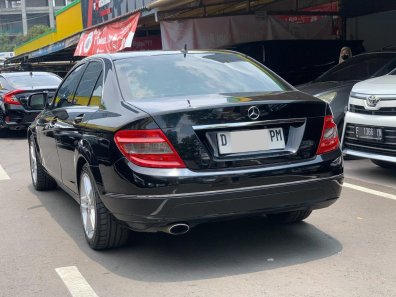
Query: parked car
335	85
163	141
298	61
15	88
370	123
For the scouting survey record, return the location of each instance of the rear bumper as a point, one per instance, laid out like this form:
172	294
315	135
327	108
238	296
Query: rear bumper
383	151
155	198
368	155
151	213
18	118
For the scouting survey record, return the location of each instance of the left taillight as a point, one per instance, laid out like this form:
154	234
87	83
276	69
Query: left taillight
148	148
10	98
329	140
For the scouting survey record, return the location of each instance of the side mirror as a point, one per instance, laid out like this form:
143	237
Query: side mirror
38	101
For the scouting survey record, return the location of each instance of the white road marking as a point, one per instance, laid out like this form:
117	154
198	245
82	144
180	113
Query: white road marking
75	282
370	191
3	174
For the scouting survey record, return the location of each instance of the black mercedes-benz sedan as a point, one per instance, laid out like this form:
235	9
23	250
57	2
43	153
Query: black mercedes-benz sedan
163	141
15	88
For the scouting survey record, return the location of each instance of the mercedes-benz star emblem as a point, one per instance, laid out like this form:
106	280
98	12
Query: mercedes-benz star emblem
254	113
372	101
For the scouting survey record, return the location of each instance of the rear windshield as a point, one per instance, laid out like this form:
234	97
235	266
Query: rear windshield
21	81
195	74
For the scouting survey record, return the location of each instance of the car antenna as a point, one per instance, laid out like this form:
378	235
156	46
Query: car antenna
185	50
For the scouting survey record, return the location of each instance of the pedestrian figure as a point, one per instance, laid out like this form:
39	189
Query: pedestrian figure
345	54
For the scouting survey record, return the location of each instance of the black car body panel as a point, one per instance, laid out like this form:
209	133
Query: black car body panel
338	104
212	185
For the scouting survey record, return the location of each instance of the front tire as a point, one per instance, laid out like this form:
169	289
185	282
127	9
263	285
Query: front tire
40	178
101	229
384	164
289	217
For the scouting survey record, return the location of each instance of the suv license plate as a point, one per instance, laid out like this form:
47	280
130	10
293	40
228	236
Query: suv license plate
250	141
369	133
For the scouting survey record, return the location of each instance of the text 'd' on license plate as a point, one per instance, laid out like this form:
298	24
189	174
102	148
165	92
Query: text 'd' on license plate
368	133
250	141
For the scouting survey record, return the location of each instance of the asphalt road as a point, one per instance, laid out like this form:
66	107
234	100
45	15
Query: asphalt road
348	249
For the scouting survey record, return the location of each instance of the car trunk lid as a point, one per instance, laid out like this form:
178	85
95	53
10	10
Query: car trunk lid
194	126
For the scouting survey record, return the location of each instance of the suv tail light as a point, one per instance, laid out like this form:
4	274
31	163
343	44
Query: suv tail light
329	140
10	98
148	148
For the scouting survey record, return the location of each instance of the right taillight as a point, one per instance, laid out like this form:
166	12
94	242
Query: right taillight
329	140
148	148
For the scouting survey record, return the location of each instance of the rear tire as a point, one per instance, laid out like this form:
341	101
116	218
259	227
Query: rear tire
40	178
384	164
289	217
101	229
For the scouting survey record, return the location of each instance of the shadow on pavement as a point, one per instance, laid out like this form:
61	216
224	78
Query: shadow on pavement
209	251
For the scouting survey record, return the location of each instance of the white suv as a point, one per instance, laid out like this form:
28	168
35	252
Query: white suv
370	123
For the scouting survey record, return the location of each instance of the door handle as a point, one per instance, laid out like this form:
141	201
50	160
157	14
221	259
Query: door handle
78	119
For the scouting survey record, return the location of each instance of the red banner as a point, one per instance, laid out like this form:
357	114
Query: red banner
306	19
146	43
109	38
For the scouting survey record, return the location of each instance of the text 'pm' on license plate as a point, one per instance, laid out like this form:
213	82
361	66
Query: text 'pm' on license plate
369	133
250	141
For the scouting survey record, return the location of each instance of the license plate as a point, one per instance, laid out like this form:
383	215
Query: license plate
369	133
250	141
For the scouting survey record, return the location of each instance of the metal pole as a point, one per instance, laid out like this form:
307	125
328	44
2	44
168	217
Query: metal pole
24	17
51	13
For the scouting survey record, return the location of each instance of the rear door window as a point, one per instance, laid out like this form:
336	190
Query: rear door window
65	95
96	98
87	84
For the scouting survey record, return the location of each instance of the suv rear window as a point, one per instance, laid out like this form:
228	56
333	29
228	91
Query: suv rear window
359	68
42	80
193	74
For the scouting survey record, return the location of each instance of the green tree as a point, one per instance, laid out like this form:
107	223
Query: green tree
6	45
32	33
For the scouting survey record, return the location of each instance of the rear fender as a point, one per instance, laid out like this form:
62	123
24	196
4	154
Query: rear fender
84	155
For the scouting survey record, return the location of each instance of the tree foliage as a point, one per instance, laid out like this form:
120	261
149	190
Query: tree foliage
6	44
32	33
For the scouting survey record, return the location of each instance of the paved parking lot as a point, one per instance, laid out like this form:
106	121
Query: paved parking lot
348	249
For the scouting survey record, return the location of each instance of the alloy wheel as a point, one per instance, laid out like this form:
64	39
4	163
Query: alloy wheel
33	163
87	205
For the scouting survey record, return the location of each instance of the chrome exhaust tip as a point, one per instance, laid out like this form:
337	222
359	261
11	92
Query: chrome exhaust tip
177	229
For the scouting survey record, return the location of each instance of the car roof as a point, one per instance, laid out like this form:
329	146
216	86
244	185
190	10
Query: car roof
125	55
25	73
